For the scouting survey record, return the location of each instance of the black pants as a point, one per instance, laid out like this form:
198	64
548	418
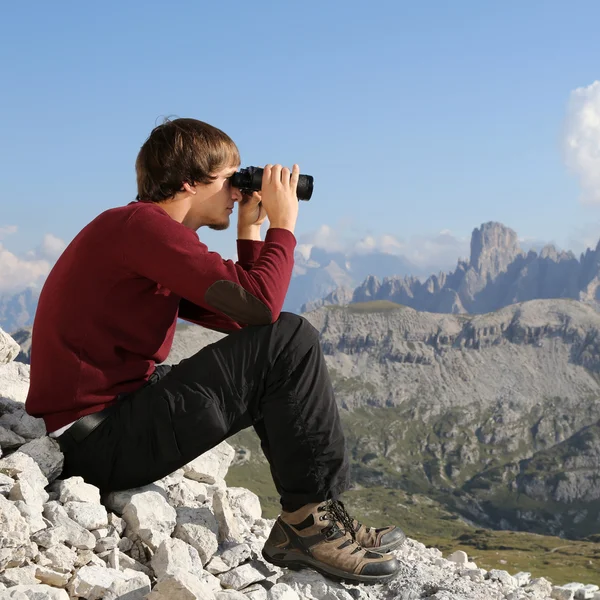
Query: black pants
271	377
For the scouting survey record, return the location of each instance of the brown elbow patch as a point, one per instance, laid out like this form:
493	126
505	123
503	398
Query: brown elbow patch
237	303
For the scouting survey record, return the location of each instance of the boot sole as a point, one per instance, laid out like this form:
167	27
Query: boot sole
306	562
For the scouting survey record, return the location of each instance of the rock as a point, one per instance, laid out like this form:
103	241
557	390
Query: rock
54	577
459	557
180	585
46	453
96	583
9	439
74	489
241	577
19	576
236	555
175	555
60	557
66	530
281	591
587	592
562	593
229	529
522	578
198	527
212	465
117	501
503	577
20	466
150	516
245	504
9	349
34	592
87	514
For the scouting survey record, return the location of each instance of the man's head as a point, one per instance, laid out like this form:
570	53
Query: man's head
188	162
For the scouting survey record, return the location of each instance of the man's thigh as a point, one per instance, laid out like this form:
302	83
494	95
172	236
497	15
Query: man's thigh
190	409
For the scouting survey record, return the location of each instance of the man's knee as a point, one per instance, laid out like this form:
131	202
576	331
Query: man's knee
294	324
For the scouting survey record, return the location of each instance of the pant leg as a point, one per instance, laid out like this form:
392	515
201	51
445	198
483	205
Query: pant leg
273	376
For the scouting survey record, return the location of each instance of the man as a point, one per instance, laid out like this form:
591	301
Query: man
107	315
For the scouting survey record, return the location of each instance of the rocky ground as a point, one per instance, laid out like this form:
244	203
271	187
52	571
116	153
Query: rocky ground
187	536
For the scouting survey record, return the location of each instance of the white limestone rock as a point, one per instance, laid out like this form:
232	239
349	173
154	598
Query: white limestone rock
241	577
47	454
19	576
87	514
151	517
198	528
9	439
60	557
229	528
175	555
180	585
459	557
9	349
32	514
212	465
236	555
587	592
34	592
75	489
54	577
97	583
282	591
20	466
117	501
244	504
14	530
66	529
522	578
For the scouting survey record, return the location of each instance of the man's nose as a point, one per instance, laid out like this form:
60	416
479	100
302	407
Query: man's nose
236	194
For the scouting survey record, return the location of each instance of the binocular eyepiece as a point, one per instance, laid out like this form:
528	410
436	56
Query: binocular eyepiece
250	180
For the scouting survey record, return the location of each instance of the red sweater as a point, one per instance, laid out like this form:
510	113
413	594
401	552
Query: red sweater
108	309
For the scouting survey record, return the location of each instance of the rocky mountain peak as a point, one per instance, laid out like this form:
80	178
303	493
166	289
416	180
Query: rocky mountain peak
493	247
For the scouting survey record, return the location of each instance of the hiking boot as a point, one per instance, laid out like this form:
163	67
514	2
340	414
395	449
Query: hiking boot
322	537
382	539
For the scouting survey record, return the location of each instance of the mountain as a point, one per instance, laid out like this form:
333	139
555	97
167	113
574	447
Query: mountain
17	310
498	273
494	416
320	272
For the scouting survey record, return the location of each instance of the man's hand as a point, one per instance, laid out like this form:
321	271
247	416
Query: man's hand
251	215
279	195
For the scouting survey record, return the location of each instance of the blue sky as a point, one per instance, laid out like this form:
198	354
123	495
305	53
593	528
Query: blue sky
413	117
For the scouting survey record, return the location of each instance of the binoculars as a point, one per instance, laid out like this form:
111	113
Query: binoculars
250	180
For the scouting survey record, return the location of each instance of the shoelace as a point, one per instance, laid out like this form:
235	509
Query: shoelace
336	512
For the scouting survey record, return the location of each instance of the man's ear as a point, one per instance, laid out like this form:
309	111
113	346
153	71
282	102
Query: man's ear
189	188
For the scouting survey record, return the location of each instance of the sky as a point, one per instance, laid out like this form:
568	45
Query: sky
419	121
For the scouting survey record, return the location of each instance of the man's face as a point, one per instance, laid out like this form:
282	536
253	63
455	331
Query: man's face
214	202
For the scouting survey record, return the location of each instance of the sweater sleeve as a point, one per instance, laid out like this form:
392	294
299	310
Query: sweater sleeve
248	252
160	249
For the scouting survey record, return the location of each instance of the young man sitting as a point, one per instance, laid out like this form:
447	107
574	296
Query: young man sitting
106	320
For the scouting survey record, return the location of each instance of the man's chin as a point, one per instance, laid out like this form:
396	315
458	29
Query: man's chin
219	226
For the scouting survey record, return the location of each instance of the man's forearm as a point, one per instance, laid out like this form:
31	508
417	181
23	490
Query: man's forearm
251	232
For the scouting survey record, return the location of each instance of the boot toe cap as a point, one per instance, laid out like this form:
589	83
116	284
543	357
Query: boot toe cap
395	537
381	568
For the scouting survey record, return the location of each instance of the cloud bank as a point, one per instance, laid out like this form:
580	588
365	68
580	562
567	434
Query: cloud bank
19	272
437	251
582	140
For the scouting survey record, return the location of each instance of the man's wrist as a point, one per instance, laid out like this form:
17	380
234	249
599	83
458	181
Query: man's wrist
249	232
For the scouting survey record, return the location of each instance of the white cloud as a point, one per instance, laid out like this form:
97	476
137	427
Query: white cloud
582	140
19	272
7	230
427	251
